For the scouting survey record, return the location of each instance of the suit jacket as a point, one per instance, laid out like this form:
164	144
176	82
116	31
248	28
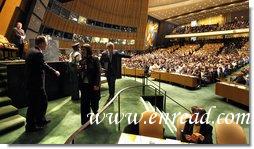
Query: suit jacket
214	74
240	80
205	129
92	71
35	70
113	68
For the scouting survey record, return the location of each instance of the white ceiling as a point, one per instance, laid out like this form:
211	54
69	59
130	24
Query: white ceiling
184	11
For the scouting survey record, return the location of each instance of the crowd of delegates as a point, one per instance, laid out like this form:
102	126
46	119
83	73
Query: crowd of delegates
242	77
232	45
209	28
206	62
64	54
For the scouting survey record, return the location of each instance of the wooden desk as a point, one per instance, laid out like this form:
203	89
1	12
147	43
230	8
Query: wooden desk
132	72
236	92
10	52
6	46
185	80
137	139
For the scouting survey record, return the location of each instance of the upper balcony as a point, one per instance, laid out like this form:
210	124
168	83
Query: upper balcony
236	27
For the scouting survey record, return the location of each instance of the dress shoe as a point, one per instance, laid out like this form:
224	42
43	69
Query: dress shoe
33	129
43	123
46	121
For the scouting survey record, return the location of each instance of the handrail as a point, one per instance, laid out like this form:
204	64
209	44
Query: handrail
135	77
169	97
160	89
178	103
83	127
155	84
117	95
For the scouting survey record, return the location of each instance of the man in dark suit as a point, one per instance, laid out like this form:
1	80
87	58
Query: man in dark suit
19	36
89	74
195	131
214	75
111	62
240	79
146	69
35	76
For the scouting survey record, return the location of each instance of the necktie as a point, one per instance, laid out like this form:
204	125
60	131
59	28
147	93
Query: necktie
110	57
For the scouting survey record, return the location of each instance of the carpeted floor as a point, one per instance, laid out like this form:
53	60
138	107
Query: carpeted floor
65	114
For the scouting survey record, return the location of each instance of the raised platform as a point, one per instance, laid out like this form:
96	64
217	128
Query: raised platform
56	87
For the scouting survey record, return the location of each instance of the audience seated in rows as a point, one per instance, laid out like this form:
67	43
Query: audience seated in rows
243	77
208	62
236	24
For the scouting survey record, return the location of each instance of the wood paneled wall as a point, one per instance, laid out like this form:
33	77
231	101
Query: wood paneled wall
68	44
131	13
7	13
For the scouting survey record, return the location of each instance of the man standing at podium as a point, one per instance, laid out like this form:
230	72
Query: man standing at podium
19	36
35	76
111	63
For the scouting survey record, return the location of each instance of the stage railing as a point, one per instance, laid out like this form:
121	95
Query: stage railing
166	96
71	139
